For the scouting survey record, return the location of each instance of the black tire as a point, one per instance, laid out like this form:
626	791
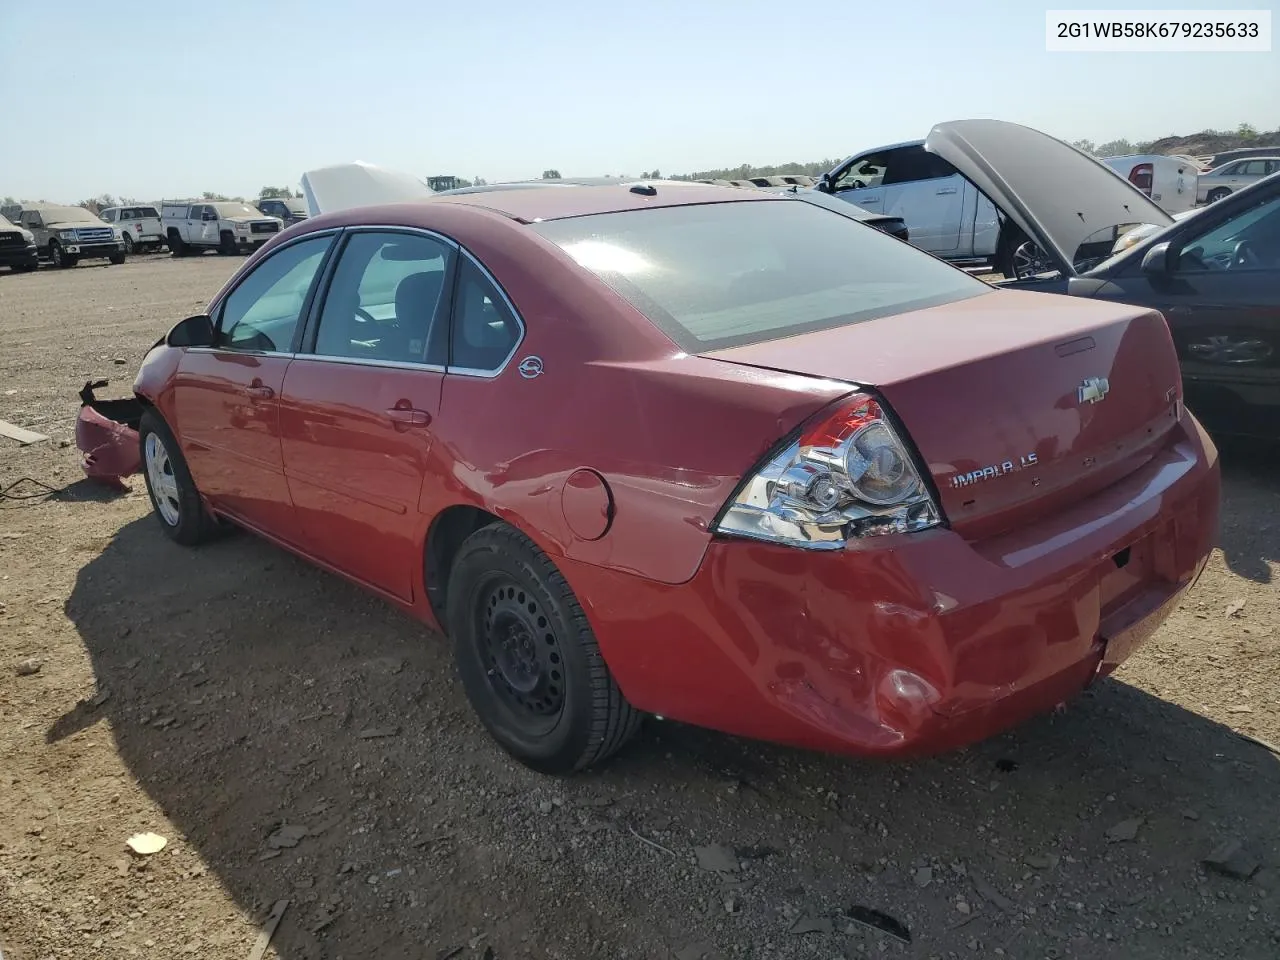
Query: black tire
128	242
227	243
62	261
1012	241
563	712
193	524
176	245
116	258
23	268
1217	194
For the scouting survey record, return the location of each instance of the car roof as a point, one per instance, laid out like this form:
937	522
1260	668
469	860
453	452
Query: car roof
534	204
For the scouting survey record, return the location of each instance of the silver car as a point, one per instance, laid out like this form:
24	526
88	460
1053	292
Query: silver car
1234	175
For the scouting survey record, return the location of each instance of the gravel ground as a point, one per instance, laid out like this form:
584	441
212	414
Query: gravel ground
295	740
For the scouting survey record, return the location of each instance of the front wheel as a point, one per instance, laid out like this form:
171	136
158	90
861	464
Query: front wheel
1021	257
128	242
227	244
177	247
527	657
116	258
174	497
1218	194
59	257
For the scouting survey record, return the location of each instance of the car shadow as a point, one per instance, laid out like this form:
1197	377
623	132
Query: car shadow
246	690
1250	530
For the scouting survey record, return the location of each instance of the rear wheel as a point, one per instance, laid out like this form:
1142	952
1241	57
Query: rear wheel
174	497
1218	194
527	657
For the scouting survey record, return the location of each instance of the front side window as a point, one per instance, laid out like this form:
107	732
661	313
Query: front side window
866	171
386	298
31	219
1249	240
722	274
262	313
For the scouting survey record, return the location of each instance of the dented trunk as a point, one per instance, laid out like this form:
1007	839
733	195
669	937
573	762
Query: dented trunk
1018	403
107	435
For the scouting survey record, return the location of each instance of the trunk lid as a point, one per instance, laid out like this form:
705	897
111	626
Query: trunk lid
1018	403
1059	196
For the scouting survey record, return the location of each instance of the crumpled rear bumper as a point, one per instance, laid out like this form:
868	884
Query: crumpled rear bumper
107	435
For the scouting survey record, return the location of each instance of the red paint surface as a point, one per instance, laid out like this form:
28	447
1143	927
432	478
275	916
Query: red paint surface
894	644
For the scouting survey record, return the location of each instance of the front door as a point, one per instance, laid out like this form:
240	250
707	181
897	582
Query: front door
1222	302
360	404
226	397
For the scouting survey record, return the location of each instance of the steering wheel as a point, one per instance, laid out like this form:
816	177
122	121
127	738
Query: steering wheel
1244	255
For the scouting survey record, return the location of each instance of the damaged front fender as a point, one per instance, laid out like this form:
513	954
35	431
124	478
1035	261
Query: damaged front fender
107	435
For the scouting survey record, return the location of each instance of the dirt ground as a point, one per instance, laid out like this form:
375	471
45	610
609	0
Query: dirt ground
294	739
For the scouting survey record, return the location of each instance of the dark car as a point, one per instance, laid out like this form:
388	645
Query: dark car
291	210
707	453
17	247
1215	275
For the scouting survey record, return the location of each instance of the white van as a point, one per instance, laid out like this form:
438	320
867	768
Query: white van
1170	181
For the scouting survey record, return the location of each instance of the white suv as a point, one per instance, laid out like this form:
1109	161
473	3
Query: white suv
139	226
228	226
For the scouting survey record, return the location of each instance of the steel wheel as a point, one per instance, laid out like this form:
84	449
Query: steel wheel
522	655
164	484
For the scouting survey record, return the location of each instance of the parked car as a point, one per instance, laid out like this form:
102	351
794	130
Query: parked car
17	247
1226	156
289	210
66	235
140	226
1215	274
1230	177
1169	181
719	455
228	226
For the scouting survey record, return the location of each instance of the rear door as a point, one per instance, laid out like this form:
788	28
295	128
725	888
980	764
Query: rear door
360	405
928	193
226	397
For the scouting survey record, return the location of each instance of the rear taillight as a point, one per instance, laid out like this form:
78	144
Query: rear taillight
1140	177
846	475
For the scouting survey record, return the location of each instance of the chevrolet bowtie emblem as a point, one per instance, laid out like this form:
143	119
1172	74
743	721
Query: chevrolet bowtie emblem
1093	389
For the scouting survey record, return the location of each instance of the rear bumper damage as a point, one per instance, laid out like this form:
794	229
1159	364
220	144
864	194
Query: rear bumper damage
107	435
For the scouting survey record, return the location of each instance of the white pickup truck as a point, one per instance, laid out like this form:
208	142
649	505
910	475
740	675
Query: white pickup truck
228	226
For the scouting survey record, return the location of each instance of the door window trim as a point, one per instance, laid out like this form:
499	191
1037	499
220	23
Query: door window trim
515	347
220	301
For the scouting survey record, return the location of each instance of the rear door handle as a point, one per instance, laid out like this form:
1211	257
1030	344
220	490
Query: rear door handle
409	416
259	392
862	200
944	190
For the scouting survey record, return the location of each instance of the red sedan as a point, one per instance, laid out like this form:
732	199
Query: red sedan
726	457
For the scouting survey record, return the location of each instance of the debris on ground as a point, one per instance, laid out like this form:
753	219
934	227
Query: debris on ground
1126	830
145	844
1236	607
287	835
29	667
806	923
879	920
717	858
923	877
697	951
373	733
268	930
992	895
1230	859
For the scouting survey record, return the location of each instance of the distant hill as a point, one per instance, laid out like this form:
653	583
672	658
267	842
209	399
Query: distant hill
1204	143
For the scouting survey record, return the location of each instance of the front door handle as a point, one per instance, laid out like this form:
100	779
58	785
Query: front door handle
409	416
862	200
259	392
945	190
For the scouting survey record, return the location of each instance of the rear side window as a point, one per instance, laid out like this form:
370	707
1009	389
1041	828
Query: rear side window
720	275
485	330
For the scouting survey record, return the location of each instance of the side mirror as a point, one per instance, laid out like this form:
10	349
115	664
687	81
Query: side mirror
194	331
824	183
1156	261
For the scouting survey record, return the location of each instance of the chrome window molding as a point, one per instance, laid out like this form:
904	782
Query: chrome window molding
362	362
490	374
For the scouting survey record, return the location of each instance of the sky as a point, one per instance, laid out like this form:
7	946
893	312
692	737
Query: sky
167	100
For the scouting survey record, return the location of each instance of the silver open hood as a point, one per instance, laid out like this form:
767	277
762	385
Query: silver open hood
359	184
1057	194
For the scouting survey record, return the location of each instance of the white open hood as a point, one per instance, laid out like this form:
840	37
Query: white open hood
359	184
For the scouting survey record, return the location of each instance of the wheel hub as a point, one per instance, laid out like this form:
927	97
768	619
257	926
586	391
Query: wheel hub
522	652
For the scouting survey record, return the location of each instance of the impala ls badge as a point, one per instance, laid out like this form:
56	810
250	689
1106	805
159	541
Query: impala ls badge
530	367
995	470
1093	389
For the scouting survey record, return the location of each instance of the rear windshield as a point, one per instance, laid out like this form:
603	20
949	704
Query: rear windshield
720	275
